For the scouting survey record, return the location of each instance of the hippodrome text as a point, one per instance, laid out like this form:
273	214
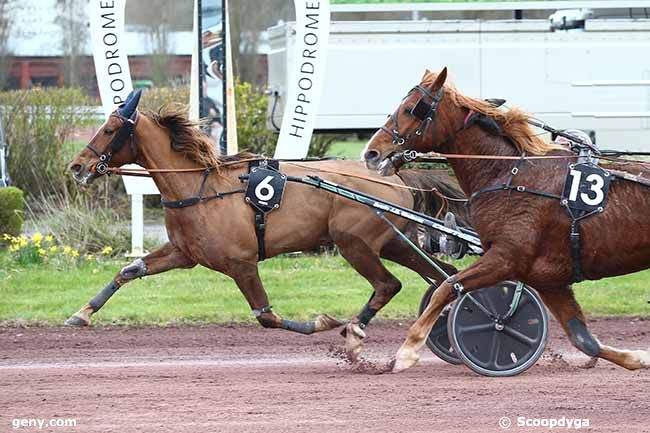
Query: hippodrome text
110	41
307	69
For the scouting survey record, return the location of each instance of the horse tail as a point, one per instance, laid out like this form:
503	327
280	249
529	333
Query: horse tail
437	194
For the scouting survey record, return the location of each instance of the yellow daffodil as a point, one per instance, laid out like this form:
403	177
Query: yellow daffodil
22	243
107	250
53	248
89	257
37	244
67	249
7	236
41	252
75	253
14	248
49	239
37	237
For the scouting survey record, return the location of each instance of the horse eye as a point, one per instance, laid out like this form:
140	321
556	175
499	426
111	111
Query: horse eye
108	131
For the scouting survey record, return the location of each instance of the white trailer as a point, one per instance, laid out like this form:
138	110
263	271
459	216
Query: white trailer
595	79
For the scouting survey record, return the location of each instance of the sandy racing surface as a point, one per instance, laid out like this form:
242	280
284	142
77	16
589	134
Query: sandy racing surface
248	379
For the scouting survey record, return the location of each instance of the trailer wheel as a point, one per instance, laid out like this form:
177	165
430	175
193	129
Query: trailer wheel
491	342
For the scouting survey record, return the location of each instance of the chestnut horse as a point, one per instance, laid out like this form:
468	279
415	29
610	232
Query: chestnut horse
525	236
220	234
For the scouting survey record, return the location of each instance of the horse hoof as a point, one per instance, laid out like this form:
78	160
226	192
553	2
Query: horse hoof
76	321
325	322
404	359
644	358
354	336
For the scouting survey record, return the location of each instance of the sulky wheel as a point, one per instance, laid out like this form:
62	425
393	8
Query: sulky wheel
438	339
500	330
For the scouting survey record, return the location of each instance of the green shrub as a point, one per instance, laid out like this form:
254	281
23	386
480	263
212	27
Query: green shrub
252	131
83	223
38	124
12	204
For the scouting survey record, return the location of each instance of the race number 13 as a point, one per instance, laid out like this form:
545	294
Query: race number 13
596	184
586	187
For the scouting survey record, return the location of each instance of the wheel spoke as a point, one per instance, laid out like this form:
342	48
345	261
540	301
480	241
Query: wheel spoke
480	306
522	338
490	303
495	347
474	329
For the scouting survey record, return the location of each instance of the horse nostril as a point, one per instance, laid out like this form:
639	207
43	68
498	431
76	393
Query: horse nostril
76	168
371	155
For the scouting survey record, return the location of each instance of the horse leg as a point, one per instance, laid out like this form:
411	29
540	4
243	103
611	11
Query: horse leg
163	259
490	269
247	277
567	311
367	263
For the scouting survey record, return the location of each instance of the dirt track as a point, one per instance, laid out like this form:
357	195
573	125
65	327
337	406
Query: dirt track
240	379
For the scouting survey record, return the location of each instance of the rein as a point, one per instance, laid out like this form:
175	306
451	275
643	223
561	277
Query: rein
146	172
381	182
438	156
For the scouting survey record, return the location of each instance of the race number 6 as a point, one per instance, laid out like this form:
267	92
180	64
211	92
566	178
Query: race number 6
264	190
597	183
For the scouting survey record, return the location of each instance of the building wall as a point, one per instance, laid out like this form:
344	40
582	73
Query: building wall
26	72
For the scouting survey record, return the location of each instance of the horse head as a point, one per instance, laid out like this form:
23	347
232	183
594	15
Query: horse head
413	126
107	147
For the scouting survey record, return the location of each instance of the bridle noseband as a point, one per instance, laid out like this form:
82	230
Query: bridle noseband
124	133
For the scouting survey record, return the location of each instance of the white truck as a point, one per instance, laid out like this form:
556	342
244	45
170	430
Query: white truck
595	78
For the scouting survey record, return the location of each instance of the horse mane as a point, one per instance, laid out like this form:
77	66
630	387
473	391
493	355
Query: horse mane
513	122
188	138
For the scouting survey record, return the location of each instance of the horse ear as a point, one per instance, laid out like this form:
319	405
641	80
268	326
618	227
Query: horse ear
131	104
440	80
427	72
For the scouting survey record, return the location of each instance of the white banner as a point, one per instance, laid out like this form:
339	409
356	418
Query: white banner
109	53
305	79
112	69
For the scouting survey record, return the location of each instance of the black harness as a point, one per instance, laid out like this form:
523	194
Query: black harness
264	193
576	209
199	198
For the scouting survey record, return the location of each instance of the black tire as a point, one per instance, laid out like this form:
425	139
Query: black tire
498	352
438	340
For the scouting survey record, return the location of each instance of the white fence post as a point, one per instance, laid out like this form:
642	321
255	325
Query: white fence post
137	226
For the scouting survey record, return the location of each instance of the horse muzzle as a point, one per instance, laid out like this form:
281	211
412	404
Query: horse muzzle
82	175
386	167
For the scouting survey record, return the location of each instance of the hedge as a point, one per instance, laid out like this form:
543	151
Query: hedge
12	203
